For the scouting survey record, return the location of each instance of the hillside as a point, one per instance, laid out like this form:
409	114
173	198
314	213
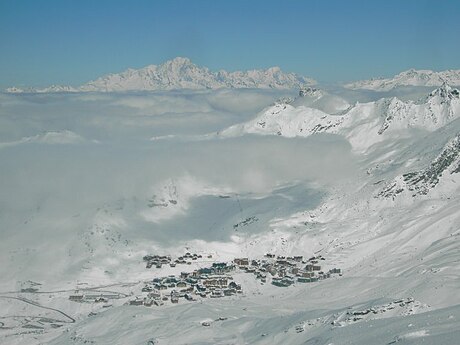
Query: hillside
363	124
98	189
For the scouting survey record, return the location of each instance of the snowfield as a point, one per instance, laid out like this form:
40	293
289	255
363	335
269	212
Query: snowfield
94	181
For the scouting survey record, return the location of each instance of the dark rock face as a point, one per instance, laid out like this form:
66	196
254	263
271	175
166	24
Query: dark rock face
421	182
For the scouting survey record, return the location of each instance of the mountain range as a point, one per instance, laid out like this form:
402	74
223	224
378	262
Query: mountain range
363	124
411	77
181	73
369	187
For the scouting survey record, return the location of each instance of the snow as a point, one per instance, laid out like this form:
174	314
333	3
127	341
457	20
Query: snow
93	182
181	73
411	77
363	124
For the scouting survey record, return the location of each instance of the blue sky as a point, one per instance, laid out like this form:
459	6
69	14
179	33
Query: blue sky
71	42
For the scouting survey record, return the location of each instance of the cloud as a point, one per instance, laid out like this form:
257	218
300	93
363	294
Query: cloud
79	175
64	137
134	115
126	163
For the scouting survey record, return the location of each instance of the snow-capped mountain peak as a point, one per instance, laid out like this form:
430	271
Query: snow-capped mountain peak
179	61
363	124
444	93
182	73
14	89
310	92
410	77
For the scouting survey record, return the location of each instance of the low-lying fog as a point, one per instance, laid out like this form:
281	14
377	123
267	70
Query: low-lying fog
64	157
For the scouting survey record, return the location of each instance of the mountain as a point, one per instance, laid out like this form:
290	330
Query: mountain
363	124
319	99
369	188
411	77
181	73
49	89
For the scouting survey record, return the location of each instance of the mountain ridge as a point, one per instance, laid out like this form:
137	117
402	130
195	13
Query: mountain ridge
181	73
363	124
411	77
84	202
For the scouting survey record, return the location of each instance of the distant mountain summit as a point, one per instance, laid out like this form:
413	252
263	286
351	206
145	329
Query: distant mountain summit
411	77
181	73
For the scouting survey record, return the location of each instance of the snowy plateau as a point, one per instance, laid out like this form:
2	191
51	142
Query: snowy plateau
176	205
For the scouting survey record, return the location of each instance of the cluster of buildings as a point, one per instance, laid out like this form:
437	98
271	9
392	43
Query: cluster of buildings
94	297
213	282
403	306
159	260
217	281
285	271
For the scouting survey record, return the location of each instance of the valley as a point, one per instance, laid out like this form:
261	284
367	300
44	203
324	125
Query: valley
319	216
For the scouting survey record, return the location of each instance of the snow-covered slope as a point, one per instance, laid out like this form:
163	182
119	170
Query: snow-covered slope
313	97
83	215
181	73
411	77
363	124
446	165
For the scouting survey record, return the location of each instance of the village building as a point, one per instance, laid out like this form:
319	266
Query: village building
312	268
136	302
216	281
147	288
234	285
283	282
154	294
241	261
148	302
306	274
217	294
190	289
229	292
76	298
